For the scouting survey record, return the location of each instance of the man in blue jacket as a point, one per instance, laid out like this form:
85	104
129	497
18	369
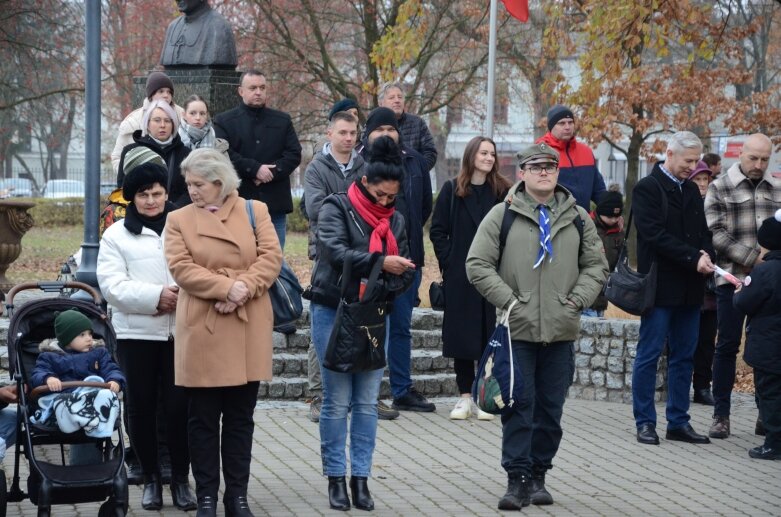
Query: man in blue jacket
414	201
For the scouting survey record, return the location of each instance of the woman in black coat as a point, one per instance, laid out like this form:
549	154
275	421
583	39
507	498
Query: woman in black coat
469	319
160	133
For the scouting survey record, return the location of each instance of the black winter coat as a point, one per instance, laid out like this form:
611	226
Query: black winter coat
675	242
258	136
761	301
342	229
173	155
469	319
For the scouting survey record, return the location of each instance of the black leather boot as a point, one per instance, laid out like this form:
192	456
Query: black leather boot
207	506
237	506
538	494
517	495
337	493
152	499
359	489
181	494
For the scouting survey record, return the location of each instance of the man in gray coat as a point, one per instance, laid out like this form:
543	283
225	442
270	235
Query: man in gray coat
553	266
413	129
331	170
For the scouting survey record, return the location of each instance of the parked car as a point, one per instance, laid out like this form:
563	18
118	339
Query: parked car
17	187
57	189
107	188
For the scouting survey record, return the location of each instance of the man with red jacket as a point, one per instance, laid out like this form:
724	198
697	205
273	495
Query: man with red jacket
578	170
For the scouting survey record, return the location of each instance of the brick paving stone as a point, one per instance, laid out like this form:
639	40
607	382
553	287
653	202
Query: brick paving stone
426	464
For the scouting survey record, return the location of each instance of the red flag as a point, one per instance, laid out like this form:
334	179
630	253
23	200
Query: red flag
518	9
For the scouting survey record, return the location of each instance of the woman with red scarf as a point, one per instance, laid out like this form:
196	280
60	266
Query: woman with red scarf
363	223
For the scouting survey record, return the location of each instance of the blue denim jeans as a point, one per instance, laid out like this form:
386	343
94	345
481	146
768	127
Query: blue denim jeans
678	327
279	220
344	393
531	432
399	344
7	430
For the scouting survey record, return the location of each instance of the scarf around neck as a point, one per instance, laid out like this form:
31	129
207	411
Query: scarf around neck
135	222
194	138
377	216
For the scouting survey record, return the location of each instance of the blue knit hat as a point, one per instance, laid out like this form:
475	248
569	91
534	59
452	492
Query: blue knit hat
342	105
557	113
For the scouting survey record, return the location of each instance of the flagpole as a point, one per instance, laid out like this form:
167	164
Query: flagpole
490	94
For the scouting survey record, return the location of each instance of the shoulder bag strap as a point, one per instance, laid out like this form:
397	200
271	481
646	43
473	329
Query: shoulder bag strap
251	216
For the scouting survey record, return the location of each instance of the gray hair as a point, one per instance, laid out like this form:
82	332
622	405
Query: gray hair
213	166
385	88
683	140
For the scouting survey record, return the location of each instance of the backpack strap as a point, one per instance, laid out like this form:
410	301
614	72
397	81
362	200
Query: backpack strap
509	218
251	216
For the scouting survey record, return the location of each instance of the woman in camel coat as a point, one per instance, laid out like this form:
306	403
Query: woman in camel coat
224	322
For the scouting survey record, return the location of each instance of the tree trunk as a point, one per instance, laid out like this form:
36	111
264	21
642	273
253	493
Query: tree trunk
632	173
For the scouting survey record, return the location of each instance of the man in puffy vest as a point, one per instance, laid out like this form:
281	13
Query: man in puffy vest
578	170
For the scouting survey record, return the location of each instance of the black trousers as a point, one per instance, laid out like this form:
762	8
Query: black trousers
531	431
703	355
730	328
149	369
235	405
768	386
465	374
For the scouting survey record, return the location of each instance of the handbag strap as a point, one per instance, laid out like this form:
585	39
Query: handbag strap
251	215
623	254
347	270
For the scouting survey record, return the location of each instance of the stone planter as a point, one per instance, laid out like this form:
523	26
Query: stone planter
14	223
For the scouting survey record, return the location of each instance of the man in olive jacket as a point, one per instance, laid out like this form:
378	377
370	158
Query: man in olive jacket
554	273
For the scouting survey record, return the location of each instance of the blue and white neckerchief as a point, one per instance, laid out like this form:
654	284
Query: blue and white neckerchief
546	243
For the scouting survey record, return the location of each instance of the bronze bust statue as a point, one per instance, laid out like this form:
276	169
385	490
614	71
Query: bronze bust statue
201	37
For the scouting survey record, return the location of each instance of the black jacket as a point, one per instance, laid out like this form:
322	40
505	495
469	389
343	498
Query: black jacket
761	301
414	200
675	242
173	154
341	230
469	319
260	136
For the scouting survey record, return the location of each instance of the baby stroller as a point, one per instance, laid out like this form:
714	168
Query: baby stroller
55	481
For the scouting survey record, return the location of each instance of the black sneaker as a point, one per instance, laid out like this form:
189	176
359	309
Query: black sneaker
765	453
413	401
385	412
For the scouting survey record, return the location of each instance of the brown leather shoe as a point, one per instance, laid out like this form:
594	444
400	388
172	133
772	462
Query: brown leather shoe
720	427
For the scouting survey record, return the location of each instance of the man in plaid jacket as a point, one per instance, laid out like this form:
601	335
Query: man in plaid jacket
735	206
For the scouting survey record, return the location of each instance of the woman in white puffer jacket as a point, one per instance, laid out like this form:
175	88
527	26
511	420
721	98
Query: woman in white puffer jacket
134	278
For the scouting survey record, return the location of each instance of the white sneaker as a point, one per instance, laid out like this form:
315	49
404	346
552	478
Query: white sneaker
463	409
482	415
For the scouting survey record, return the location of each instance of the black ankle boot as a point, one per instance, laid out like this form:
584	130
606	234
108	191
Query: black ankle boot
237	506
538	494
207	506
359	489
517	495
337	493
181	494
152	499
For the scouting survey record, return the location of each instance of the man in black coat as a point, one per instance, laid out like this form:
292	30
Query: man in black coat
672	232
264	149
414	202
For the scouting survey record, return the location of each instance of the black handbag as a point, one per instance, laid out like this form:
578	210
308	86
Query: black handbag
286	291
627	289
357	342
436	291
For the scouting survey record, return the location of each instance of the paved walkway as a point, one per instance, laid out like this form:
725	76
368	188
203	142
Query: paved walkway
428	465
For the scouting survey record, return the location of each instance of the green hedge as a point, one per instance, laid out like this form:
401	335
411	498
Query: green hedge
58	212
296	222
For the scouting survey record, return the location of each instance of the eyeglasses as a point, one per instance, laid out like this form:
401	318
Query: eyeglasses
549	168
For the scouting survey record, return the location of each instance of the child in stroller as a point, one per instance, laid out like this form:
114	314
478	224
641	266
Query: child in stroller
75	356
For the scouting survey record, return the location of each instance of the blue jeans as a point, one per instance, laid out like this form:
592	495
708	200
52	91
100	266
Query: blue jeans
593	313
7	430
678	327
399	344
730	323
344	393
279	220
531	431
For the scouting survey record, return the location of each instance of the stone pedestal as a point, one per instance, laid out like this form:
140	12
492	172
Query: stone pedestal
217	86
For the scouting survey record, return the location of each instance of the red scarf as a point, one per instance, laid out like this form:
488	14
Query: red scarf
378	218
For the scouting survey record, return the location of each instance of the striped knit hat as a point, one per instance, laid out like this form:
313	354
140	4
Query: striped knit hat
138	155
